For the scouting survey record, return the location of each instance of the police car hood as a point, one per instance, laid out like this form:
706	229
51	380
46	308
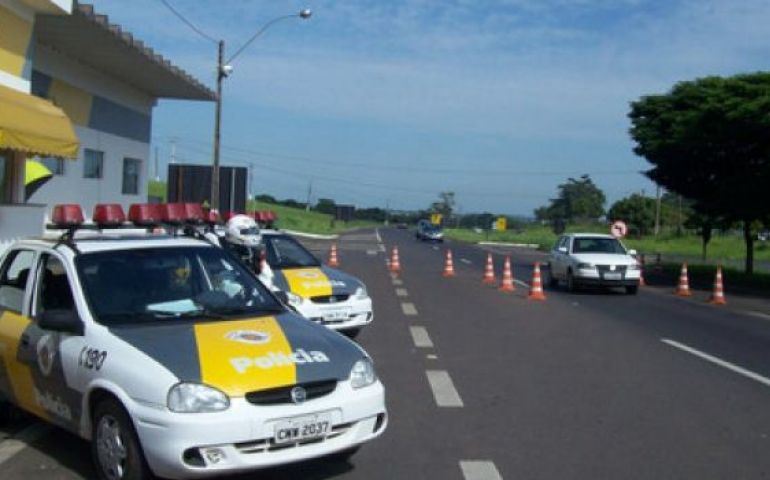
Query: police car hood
241	356
315	281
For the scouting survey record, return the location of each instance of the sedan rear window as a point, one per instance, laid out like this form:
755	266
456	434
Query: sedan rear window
597	245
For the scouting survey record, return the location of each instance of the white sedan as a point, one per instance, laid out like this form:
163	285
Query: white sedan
593	260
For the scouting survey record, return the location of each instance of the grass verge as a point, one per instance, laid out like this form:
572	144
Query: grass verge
309	222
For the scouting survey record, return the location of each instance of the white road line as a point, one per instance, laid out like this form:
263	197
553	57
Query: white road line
377	234
20	441
382	247
444	390
431	356
519	282
409	308
466	261
761	315
371	252
420	337
717	361
479	470
397	281
435	247
401	292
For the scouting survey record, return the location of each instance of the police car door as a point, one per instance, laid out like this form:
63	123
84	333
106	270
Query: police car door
52	354
15	278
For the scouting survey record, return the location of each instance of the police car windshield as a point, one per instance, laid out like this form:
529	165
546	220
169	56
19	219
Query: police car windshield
166	284
597	245
285	252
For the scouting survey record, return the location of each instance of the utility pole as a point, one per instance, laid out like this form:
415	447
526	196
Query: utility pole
173	151
251	180
657	210
387	211
214	201
679	226
157	173
309	193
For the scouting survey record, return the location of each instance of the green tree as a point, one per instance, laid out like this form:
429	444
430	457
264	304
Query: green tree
708	140
637	211
445	205
325	205
578	200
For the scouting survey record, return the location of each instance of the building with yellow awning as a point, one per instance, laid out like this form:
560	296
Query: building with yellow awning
77	94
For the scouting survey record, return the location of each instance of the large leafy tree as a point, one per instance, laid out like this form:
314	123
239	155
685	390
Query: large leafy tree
637	211
709	140
578	200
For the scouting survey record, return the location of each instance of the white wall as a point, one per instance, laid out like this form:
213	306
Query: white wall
73	188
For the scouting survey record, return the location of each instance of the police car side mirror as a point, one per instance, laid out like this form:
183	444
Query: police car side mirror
632	252
66	321
563	249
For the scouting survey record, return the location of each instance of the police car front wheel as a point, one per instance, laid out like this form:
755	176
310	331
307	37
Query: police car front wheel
114	445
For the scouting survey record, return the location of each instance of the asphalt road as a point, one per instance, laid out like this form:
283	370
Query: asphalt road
484	385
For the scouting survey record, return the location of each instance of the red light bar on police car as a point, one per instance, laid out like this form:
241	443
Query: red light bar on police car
109	215
145	214
67	216
193	213
172	213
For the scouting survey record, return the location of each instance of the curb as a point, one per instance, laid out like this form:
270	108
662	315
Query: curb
534	246
315	236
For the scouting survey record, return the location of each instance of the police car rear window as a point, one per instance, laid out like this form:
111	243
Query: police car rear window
165	284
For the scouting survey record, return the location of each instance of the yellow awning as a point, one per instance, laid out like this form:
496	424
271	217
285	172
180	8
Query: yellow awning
34	125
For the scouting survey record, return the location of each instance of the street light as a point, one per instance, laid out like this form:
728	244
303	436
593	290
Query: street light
224	69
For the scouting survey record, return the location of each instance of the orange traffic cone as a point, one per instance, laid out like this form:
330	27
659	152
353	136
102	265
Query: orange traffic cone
449	266
489	272
333	260
642	283
395	263
536	291
683	288
507	285
718	297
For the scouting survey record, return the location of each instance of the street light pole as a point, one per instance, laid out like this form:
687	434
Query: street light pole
214	201
223	70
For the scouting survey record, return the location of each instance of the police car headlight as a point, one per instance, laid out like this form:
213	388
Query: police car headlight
362	374
294	300
586	266
196	398
361	293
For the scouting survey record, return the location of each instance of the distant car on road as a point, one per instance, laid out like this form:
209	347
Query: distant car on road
427	231
402	225
583	259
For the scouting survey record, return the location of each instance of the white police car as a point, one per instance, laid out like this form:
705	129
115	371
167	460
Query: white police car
320	293
170	356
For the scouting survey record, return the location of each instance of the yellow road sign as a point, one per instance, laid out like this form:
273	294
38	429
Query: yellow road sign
435	218
501	224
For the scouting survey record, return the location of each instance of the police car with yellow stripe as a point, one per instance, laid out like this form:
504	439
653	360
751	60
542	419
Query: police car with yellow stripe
170	356
320	293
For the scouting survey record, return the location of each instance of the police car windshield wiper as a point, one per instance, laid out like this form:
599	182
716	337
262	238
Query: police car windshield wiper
200	313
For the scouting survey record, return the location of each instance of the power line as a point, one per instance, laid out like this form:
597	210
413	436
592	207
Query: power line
412	169
188	22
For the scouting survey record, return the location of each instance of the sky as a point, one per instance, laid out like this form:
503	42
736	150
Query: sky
387	103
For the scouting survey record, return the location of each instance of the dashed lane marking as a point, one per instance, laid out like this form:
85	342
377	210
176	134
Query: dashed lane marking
408	308
435	247
444	390
420	337
20	441
479	470
519	282
431	356
397	281
401	292
761	315
466	261
718	361
371	252
377	234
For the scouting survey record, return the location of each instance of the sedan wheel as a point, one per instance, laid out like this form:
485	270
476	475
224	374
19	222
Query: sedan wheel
114	445
571	287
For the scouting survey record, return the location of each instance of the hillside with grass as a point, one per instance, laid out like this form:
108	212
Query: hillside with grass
298	219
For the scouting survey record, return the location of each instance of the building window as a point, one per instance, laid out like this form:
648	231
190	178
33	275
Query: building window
131	167
55	165
94	163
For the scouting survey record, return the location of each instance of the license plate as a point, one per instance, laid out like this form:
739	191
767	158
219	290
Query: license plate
336	314
612	276
306	427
